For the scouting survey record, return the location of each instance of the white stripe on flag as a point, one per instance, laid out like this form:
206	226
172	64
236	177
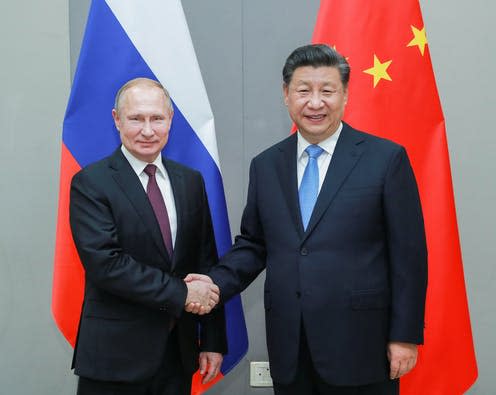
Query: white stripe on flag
178	70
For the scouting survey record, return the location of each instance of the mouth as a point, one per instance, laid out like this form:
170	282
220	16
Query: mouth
315	118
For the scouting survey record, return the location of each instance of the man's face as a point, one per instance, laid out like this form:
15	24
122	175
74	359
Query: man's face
316	99
143	121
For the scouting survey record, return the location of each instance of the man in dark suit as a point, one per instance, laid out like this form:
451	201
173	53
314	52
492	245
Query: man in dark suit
140	224
333	215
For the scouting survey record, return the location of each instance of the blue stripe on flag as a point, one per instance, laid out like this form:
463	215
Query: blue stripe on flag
107	60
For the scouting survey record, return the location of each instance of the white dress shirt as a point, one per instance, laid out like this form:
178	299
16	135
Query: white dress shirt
323	161
163	182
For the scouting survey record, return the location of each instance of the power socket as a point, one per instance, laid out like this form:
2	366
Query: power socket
260	374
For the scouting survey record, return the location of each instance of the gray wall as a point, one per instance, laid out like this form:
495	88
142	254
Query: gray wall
241	46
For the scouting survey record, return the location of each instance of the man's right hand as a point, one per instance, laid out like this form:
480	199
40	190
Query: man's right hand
202	295
197	306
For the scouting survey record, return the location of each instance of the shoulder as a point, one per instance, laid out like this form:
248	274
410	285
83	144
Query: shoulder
95	170
172	165
371	138
178	169
380	146
288	144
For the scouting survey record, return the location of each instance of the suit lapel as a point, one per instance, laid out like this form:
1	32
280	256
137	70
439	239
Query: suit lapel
346	155
179	191
289	181
128	181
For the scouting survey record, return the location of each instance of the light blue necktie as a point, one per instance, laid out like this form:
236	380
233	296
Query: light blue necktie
309	187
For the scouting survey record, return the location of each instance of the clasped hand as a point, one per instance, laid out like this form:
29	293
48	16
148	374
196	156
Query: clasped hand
203	294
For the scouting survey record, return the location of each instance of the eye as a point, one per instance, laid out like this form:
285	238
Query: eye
328	92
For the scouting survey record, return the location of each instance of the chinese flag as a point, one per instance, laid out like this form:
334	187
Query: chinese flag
392	93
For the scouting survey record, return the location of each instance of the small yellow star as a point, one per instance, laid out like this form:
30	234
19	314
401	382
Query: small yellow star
379	71
419	39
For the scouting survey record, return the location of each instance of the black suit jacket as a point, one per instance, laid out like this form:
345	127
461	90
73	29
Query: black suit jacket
356	277
133	290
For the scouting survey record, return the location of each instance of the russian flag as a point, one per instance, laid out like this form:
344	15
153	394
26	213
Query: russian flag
124	40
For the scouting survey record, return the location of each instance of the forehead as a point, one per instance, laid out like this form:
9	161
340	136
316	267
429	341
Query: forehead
142	90
142	94
320	75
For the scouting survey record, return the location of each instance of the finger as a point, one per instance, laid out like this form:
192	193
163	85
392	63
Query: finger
214	298
188	278
212	372
203	363
403	369
395	368
195	276
215	289
410	365
212	303
207	309
204	310
193	308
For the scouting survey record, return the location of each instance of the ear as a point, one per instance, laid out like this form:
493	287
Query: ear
345	95
285	91
117	119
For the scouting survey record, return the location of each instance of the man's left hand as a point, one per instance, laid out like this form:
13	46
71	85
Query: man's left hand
209	365
402	358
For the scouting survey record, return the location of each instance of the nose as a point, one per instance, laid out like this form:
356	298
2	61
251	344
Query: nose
315	100
147	129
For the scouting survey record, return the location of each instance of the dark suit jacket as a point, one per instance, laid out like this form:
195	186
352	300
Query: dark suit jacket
357	277
133	290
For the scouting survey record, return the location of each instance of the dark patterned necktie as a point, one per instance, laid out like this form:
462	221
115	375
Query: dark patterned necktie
158	204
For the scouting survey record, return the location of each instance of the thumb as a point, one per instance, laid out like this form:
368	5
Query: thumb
190	277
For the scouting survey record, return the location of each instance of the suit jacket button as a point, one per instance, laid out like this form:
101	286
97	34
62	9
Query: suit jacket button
298	294
304	251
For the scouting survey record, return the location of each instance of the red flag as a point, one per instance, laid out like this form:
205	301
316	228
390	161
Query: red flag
392	93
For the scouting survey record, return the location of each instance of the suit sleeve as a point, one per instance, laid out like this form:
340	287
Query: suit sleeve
244	262
407	251
106	265
212	326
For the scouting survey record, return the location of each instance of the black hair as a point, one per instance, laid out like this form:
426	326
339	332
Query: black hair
316	55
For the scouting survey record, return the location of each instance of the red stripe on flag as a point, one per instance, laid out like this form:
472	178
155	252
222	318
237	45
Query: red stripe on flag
68	273
197	388
404	106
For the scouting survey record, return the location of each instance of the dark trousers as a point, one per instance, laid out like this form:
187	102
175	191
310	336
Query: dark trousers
170	379
308	381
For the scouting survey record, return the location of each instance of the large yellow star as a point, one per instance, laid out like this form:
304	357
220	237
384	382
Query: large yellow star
419	39
379	71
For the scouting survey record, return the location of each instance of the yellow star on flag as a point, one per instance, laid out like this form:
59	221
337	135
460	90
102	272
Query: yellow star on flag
419	39
379	71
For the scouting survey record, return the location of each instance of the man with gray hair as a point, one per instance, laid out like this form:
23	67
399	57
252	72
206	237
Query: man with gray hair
140	223
333	215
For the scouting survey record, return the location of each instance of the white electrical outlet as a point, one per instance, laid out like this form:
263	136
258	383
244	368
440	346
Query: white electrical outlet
260	374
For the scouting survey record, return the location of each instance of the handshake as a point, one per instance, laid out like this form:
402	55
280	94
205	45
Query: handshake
203	294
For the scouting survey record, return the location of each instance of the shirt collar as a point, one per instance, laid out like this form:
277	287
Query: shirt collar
327	145
138	165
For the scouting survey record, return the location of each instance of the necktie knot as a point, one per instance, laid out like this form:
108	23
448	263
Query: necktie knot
314	151
150	170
